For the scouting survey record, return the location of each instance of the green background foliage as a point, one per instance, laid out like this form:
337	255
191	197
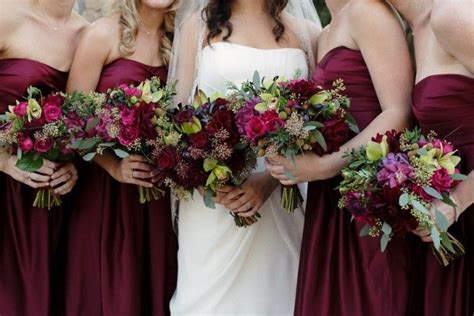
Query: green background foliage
323	11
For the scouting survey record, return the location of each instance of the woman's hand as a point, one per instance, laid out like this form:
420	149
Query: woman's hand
306	168
39	179
247	199
134	169
449	213
64	179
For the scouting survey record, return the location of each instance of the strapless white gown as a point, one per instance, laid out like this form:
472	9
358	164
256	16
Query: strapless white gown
223	269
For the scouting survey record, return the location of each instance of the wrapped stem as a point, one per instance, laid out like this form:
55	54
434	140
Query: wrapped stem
245	221
46	198
149	194
444	254
291	198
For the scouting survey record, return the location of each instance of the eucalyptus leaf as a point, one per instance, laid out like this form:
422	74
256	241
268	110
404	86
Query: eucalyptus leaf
364	231
436	237
404	199
420	207
441	221
459	177
89	156
387	229
384	242
256	80
447	200
30	162
446	242
320	139
209	199
433	192
121	153
289	175
93	123
352	122
422	152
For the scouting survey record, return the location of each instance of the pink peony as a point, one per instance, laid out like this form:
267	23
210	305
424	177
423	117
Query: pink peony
43	145
25	142
20	109
128	135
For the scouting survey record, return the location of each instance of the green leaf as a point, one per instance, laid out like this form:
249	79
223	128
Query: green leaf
19	153
88	143
89	156
387	229
209	199
92	124
256	80
261	107
459	177
289	175
240	146
320	139
422	152
211	179
30	162
352	122
384	242
433	192
121	153
420	207
404	199
441	221
210	164
447	200
364	231
436	237
319	98
446	242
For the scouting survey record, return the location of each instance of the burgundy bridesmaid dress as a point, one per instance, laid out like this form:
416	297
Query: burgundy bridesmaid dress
340	273
28	236
121	254
445	104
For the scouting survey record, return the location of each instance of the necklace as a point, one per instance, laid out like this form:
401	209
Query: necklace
49	20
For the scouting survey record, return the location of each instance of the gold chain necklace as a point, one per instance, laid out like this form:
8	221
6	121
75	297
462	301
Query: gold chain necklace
49	20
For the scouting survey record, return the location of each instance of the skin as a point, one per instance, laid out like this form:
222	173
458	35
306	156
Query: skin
253	27
371	27
443	45
27	32
99	46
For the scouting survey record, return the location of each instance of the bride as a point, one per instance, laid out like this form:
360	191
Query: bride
223	269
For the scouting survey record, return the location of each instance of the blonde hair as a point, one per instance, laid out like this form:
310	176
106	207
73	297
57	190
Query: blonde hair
130	23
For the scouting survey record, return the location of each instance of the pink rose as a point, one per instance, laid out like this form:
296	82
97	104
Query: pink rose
25	142
441	181
20	109
51	112
131	91
256	128
43	145
272	121
128	135
128	116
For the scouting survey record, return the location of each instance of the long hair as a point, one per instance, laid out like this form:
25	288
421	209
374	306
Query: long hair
130	22
217	16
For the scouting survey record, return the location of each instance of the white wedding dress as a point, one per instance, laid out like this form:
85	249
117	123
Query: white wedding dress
227	270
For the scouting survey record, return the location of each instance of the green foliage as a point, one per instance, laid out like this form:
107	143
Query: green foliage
323	11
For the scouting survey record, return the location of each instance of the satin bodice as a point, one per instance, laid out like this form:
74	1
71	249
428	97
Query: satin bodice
127	71
445	104
17	74
225	62
349	65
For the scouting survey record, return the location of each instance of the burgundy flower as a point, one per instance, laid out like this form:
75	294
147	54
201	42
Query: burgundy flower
184	116
128	135
43	145
20	109
167	158
244	115
422	193
441	180
305	89
51	112
272	121
146	112
393	140
256	128
128	117
25	142
356	205
199	140
336	134
72	120
131	91
221	119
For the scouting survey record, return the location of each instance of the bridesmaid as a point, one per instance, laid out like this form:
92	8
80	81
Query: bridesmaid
122	258
443	101
340	273
37	43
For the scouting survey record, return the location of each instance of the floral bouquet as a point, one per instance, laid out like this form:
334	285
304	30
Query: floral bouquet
127	123
37	129
290	118
390	184
204	152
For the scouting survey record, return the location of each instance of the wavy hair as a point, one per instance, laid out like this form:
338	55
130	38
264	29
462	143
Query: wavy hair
130	23
217	16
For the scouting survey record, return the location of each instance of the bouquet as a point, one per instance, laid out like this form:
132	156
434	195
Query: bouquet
204	152
127	123
390	184
38	129
292	117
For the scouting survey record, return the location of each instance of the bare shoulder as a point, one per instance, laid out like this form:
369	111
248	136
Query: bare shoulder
453	16
79	22
11	12
370	13
104	31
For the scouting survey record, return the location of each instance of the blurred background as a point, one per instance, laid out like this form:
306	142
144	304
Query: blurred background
91	9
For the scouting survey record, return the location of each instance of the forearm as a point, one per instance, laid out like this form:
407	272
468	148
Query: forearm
108	161
397	119
464	193
4	156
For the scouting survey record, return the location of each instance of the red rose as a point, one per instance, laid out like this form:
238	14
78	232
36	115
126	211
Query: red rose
51	112
184	116
167	158
146	112
336	134
43	145
221	119
25	142
441	181
54	99
272	121
305	89
128	117
199	140
255	129
20	109
128	135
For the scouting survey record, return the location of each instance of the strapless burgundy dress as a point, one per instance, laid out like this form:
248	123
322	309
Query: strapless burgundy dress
121	254
445	104
28	236
340	273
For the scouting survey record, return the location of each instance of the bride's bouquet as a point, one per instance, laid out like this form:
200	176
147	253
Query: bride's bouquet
289	118
128	122
204	152
390	184
37	129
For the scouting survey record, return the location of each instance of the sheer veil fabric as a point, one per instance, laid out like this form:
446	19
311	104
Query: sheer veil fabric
223	269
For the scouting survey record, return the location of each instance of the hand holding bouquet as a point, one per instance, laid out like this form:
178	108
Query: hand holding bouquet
204	152
391	183
289	118
37	130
